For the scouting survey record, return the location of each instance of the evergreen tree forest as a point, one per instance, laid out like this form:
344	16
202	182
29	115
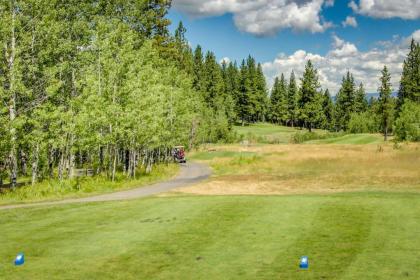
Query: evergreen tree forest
105	85
308	106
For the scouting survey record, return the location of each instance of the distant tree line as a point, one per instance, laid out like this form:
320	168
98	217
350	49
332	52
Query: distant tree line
308	106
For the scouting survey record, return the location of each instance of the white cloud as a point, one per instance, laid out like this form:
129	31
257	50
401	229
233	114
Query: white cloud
262	17
415	36
342	48
227	60
344	56
406	9
350	21
329	3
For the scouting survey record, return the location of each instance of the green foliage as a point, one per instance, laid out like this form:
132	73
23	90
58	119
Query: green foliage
279	101
386	104
293	100
198	67
328	117
407	126
310	97
261	92
108	88
211	82
410	79
183	53
363	123
346	102
361	103
251	93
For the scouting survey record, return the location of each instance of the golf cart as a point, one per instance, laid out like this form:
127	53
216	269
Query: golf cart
179	154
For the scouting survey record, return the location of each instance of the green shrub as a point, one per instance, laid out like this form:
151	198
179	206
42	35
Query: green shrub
407	126
363	123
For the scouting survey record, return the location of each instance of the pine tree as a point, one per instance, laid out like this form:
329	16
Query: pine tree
274	101
228	95
245	90
310	98
283	99
410	79
292	100
213	82
361	103
261	91
232	85
278	102
198	73
346	101
385	102
180	33
183	55
252	90
328	106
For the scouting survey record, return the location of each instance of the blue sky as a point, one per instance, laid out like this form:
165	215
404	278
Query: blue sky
282	34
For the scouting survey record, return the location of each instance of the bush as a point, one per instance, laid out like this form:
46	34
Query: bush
214	128
363	123
407	126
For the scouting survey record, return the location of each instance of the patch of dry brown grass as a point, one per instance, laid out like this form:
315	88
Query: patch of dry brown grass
297	169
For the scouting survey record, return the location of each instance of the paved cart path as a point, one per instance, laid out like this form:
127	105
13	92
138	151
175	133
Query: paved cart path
190	173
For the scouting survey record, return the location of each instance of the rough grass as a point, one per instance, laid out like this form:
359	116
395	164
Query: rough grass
85	186
346	236
300	169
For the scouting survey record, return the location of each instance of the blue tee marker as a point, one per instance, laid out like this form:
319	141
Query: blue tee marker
304	263
20	259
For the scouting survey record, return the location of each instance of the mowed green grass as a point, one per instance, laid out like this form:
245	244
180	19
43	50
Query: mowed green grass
355	139
264	129
266	132
276	134
346	236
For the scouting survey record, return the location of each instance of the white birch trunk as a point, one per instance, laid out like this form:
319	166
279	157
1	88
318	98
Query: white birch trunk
35	162
12	102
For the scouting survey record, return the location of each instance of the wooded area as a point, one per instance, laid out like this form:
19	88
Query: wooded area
90	83
308	105
103	84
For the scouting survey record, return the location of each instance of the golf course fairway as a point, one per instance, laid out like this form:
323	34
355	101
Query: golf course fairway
346	236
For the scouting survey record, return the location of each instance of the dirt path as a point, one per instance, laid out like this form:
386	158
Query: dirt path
190	173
